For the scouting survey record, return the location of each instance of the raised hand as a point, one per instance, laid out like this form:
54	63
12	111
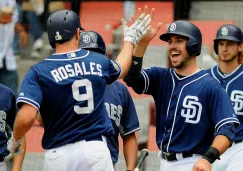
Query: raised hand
153	30
138	29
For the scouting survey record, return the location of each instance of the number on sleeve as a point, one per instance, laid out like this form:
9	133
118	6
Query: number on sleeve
80	97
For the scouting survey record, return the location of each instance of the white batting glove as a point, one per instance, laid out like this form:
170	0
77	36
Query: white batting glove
139	28
13	146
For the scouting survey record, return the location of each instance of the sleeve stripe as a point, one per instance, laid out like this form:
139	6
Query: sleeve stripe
145	81
225	119
119	66
232	121
135	130
29	100
23	101
146	78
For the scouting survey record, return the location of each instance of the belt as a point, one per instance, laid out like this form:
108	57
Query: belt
238	141
172	156
96	138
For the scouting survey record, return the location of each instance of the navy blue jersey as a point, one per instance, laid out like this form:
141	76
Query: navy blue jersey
121	110
233	84
7	116
193	106
68	90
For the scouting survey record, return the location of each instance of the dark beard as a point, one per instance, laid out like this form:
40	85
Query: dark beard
182	64
228	60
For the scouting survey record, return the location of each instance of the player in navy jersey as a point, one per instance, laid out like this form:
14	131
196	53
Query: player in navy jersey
7	116
67	88
195	121
229	73
119	106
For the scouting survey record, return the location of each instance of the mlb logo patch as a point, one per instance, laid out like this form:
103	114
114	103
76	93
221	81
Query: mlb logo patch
71	55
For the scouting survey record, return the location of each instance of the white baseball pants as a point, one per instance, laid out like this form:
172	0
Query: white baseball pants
79	156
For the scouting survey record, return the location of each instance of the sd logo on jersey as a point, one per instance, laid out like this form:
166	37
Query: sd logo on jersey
237	101
193	110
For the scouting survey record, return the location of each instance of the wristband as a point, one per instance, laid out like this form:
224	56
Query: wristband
211	155
137	61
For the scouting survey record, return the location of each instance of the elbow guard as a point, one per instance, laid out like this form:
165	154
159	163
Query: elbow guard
134	72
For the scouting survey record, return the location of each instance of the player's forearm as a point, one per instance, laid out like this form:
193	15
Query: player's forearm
130	148
219	146
221	143
24	120
140	49
18	159
125	58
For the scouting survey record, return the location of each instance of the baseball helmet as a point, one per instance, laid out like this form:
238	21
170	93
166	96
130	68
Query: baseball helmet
228	32
62	25
92	40
188	30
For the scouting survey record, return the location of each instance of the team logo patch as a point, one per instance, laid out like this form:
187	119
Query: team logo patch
173	27
224	31
237	101
193	109
58	36
86	38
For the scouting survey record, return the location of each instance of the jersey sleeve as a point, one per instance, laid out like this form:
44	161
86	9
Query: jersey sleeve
148	80
223	114
129	122
12	111
30	91
114	72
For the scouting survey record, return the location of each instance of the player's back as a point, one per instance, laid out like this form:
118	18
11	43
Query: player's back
121	110
7	113
70	96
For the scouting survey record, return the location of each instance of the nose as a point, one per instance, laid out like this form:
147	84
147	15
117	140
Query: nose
172	45
224	47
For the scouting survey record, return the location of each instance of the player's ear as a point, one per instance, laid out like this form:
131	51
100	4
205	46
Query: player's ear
78	34
240	47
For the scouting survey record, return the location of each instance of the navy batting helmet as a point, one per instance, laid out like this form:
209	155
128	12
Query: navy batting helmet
62	25
189	30
228	32
92	40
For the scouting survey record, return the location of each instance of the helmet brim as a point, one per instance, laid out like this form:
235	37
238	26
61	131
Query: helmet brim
230	38
166	36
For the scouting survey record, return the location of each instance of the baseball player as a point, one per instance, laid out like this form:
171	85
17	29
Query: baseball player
229	73
67	88
195	121
119	106
7	117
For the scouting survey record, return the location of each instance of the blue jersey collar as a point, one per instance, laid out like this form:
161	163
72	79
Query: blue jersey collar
235	72
71	55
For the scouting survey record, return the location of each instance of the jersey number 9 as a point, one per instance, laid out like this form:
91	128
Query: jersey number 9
81	97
